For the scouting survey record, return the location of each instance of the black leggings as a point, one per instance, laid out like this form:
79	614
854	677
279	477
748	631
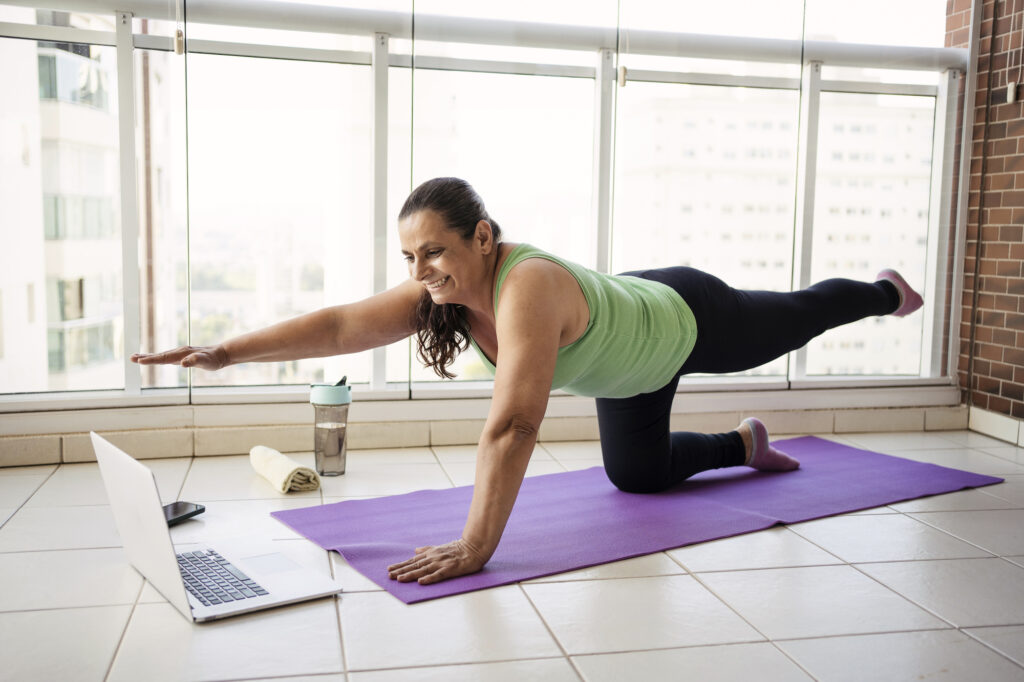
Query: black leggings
736	331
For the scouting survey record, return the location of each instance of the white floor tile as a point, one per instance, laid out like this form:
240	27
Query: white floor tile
1008	641
467	453
899	442
15	490
67	579
726	663
233	478
638	567
1011	490
1008	452
464	473
971	439
964	500
1000	532
160	644
545	669
45	528
490	625
43	470
771	548
601	616
941	654
385	479
966	592
65	644
6	513
968	460
81	484
816	602
360	458
580	464
887	537
235	518
573	449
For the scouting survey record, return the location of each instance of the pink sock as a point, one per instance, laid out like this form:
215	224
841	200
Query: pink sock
763	456
910	300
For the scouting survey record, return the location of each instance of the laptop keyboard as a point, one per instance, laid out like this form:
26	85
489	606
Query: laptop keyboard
213	580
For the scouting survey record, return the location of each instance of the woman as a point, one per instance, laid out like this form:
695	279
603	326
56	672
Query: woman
542	323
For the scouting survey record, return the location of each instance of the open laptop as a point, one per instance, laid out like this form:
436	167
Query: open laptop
203	583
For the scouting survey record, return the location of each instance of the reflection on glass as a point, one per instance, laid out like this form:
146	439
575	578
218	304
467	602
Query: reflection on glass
160	152
871	212
59	213
705	177
279	201
526	144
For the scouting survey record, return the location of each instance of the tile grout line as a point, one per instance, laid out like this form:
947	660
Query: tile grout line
767	639
990	647
124	631
30	496
551	632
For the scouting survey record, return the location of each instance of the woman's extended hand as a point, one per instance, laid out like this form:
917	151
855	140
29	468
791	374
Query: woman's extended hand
204	357
434	564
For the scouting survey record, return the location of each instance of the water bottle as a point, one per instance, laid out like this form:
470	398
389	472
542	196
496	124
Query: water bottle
330	404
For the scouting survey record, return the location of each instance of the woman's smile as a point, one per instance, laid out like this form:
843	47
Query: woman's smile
438	283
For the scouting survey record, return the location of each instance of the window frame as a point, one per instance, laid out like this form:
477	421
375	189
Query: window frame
945	230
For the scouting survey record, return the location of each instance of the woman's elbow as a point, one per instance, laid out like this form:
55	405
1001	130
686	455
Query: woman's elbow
517	427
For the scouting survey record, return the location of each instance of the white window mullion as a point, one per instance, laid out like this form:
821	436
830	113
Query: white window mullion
129	201
604	109
939	225
803	237
379	212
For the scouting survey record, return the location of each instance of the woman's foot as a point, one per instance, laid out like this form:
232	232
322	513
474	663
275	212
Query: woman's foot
910	300
760	454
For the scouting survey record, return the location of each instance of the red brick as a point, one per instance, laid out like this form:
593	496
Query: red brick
1017	251
1010	233
996	285
999	216
1008	268
1017	410
1018	375
1015	287
990	233
998	404
988	351
1016	321
983	334
1000	370
995	251
1014	356
1004	337
987	301
1011	391
1014	198
1013	164
987	384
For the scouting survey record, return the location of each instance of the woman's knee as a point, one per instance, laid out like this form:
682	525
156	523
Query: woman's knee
631	480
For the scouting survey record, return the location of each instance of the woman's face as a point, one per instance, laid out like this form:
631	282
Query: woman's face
448	267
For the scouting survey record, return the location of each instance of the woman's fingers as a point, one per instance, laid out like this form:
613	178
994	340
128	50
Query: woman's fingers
203	357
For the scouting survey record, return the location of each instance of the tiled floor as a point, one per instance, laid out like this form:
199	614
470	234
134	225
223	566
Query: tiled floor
931	588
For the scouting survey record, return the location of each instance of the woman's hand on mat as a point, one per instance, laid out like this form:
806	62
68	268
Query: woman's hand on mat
204	357
436	563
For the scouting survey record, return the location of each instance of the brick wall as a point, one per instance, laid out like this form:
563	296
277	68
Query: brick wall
991	370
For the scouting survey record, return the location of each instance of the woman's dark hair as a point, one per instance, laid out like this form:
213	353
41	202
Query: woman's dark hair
441	329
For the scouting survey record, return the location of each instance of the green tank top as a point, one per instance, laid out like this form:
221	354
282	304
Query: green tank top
639	334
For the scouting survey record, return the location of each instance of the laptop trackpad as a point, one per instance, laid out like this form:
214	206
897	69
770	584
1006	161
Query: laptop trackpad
270	563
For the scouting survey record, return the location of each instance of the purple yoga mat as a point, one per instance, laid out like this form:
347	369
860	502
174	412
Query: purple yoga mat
576	519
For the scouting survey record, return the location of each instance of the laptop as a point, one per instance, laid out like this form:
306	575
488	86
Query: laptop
203	583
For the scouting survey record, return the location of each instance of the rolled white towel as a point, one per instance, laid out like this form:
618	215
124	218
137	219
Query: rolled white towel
283	472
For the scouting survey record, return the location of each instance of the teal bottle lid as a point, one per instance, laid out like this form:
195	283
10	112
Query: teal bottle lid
329	394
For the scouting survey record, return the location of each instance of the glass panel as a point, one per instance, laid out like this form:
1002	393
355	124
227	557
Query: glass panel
526	145
917	23
871	212
705	177
163	234
279	202
59	220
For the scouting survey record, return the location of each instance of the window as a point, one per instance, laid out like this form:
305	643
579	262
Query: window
255	158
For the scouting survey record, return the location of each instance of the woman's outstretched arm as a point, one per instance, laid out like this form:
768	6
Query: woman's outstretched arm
370	323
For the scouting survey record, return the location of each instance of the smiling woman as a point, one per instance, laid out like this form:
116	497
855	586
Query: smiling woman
540	322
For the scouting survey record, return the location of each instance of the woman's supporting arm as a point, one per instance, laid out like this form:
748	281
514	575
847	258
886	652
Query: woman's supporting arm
370	323
529	326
